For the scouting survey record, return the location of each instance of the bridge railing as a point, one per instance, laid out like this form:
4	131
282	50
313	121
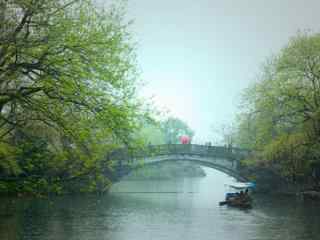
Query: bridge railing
170	149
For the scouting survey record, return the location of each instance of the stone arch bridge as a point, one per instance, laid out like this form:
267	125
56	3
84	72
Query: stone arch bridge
224	159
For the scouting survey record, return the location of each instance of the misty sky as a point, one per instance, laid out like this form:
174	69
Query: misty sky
197	56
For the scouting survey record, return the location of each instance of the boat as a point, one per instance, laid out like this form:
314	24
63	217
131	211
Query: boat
241	198
242	185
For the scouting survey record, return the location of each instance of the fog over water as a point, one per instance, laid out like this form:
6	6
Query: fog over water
64	138
197	56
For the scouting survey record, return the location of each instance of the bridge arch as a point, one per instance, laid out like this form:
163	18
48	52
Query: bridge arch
220	158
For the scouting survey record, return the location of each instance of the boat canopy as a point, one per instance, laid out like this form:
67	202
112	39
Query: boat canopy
242	185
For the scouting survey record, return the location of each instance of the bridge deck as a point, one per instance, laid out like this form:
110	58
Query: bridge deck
190	149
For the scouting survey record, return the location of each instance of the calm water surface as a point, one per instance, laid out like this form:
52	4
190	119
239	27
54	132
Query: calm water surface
169	210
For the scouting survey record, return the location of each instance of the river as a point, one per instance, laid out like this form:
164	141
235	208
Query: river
184	209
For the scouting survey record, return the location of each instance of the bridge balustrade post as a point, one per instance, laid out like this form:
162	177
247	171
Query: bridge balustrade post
172	149
190	148
181	149
235	164
159	149
164	149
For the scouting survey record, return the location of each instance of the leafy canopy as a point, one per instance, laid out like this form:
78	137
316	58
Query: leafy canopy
67	87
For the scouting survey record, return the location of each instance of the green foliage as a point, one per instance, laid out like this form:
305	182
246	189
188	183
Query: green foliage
280	119
155	132
67	93
174	128
152	134
8	161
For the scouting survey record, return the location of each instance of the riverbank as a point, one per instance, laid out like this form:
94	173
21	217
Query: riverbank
271	183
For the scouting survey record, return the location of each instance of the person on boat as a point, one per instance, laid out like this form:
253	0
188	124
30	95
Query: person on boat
246	196
241	195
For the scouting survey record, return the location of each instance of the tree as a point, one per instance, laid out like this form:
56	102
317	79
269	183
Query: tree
280	119
173	128
152	134
226	133
67	80
62	54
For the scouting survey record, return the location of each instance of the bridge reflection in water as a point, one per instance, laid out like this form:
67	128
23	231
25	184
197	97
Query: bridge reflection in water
224	159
